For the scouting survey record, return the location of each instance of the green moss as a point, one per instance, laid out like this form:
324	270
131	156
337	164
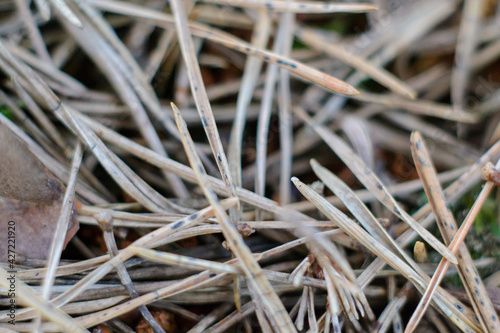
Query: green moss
421	198
298	45
454	280
483	239
487	218
339	26
6	112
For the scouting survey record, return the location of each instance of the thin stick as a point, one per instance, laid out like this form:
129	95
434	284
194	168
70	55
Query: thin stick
285	113
265	115
34	33
122	174
392	309
251	74
63	9
188	262
186	172
127	83
396	190
43	8
50	129
51	71
419	107
203	324
466	45
357	208
59	236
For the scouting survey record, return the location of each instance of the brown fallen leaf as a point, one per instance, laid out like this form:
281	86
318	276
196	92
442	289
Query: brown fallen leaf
30	202
162	317
101	329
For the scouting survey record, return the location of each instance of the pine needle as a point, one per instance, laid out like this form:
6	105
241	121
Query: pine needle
371	181
271	303
446	222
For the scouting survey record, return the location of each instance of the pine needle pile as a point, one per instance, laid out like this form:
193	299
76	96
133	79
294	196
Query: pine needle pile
249	166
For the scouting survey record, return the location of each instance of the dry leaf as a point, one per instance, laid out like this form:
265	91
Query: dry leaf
101	329
30	197
164	318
